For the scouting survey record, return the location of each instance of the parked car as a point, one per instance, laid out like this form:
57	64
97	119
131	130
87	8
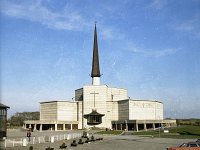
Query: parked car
198	140
186	146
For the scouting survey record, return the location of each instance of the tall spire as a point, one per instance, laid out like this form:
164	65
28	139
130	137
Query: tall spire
95	74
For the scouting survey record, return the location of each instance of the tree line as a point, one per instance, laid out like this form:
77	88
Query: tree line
18	118
195	122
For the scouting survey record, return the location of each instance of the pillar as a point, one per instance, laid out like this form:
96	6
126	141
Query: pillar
136	127
34	128
145	126
121	126
56	127
63	126
154	126
71	126
40	127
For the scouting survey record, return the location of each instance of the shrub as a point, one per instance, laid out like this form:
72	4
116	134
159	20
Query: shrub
74	143
31	148
80	141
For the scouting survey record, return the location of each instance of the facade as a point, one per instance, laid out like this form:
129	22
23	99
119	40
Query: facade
100	106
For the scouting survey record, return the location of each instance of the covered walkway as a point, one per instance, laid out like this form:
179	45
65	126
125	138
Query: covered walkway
42	125
136	125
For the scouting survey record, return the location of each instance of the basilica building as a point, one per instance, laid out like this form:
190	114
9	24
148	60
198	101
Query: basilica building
98	105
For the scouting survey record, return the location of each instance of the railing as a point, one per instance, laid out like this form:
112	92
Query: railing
39	139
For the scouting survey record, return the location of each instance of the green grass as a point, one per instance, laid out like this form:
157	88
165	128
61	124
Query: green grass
188	122
187	131
110	132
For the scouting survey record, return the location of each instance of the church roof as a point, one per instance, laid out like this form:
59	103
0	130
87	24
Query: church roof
95	62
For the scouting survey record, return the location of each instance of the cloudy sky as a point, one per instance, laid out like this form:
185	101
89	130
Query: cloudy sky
149	47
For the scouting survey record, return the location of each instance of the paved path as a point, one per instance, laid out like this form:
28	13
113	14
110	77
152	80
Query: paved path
110	142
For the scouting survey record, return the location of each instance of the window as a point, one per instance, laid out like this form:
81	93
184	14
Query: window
193	145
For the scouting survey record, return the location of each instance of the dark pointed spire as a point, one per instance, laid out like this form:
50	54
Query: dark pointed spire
95	61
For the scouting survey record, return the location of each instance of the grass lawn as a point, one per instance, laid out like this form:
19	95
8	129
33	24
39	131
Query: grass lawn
187	131
110	132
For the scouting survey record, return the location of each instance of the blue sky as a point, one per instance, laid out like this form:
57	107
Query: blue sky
149	47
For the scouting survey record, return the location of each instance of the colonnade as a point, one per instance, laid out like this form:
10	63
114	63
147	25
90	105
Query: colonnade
134	126
51	127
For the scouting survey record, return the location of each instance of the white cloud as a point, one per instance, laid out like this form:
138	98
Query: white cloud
190	27
185	27
107	34
152	52
36	12
157	4
111	33
67	18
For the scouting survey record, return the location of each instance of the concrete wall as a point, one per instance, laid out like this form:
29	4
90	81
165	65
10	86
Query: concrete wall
67	111
116	94
108	101
123	110
79	94
145	110
48	111
100	101
115	111
58	111
80	114
105	102
111	113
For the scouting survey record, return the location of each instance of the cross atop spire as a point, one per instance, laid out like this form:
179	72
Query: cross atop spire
95	62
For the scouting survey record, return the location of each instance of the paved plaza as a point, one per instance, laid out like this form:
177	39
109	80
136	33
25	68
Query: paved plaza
109	142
